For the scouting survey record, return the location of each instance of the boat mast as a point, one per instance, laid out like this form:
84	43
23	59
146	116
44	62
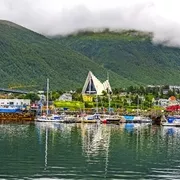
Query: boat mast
108	93
96	103
137	105
47	97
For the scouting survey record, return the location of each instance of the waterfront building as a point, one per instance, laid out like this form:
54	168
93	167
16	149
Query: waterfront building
15	102
167	102
174	88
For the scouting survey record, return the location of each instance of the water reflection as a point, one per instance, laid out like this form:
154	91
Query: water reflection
171	131
51	129
133	127
11	131
48	125
96	141
89	151
95	138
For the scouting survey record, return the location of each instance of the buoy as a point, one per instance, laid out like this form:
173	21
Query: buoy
104	121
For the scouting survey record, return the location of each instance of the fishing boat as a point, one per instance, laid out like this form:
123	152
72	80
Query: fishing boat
49	117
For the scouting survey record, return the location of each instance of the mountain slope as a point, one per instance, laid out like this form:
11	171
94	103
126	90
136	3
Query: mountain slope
28	58
130	54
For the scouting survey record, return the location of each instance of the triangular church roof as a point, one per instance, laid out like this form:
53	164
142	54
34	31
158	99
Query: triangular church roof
107	86
93	85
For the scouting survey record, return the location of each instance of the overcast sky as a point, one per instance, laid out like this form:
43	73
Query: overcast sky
53	17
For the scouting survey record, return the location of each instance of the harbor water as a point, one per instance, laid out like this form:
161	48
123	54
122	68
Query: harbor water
89	151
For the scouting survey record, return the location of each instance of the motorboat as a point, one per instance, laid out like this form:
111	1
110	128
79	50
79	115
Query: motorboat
51	118
172	121
91	118
136	119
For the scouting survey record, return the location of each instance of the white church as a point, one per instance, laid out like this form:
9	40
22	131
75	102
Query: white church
93	85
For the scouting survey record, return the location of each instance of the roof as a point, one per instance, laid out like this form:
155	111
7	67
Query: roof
93	85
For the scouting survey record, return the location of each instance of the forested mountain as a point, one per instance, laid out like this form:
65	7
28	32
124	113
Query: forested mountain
130	54
28	58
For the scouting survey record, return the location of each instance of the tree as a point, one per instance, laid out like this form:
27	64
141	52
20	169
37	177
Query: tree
171	93
55	95
130	89
141	90
77	97
104	93
32	96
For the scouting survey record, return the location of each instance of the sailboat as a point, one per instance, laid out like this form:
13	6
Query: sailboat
138	118
109	118
49	117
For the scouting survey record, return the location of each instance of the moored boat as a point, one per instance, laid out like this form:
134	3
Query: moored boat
172	121
95	118
110	119
49	117
136	119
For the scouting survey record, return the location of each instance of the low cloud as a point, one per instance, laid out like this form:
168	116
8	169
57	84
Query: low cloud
52	17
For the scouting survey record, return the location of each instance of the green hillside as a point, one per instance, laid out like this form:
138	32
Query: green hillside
130	54
28	58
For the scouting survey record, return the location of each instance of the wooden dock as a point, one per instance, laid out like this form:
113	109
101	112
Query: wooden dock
16	117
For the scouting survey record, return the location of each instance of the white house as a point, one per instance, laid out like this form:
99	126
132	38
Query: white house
66	97
163	102
14	102
174	87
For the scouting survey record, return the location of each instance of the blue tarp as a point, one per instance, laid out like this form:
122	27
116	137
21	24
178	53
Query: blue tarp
9	110
130	118
172	118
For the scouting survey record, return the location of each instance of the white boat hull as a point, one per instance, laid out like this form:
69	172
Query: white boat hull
171	124
48	120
